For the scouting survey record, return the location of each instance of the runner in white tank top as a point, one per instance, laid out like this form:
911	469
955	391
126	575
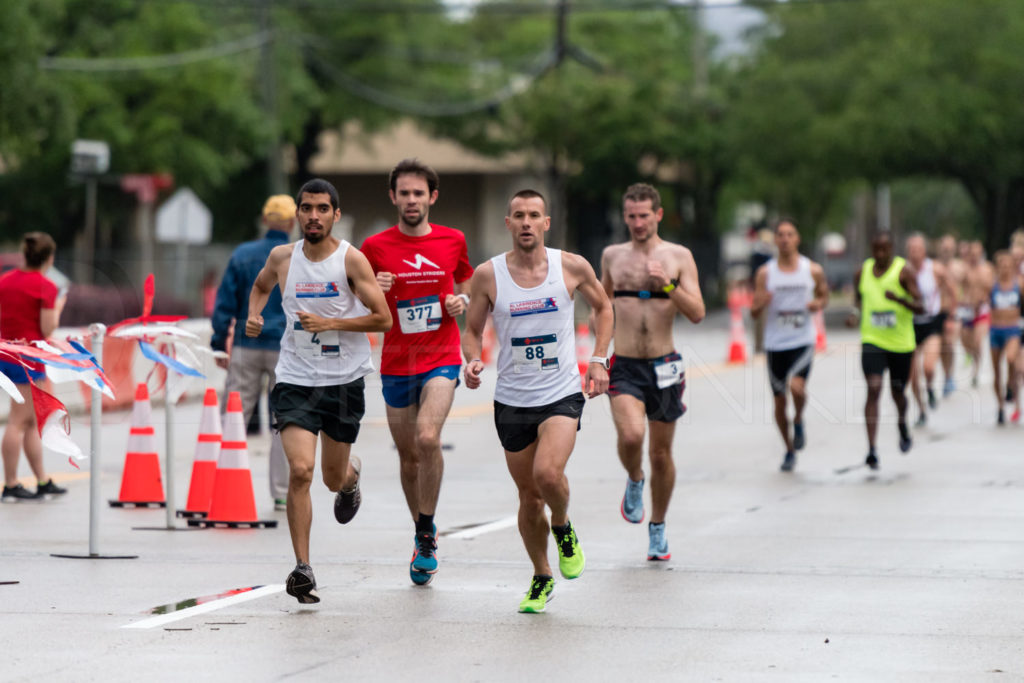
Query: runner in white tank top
790	289
530	291
936	285
330	357
788	324
331	299
538	364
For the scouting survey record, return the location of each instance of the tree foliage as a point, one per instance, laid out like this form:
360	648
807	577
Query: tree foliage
888	90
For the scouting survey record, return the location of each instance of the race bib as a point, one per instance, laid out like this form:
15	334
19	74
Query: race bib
419	315
325	344
883	319
791	320
535	354
965	313
668	371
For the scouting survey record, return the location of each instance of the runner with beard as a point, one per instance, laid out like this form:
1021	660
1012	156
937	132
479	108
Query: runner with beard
424	270
331	299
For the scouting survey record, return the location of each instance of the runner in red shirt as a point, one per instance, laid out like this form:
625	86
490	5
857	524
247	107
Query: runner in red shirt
29	310
424	271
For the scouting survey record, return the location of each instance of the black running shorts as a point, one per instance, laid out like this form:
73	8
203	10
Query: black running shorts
932	326
788	363
334	410
875	361
636	377
517	427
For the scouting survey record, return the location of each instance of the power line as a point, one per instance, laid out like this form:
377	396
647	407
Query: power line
517	85
165	61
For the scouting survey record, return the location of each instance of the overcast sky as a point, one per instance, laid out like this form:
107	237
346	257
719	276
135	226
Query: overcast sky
728	22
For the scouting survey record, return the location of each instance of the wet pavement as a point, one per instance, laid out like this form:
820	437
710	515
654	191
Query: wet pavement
913	572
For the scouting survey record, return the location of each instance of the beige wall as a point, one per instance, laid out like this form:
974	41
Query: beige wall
473	203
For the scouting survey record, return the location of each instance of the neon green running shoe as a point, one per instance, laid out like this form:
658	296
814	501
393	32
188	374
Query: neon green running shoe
537	597
570	554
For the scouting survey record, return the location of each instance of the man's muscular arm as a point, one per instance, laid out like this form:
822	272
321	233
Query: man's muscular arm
263	286
596	380
686	296
364	285
762	297
481	286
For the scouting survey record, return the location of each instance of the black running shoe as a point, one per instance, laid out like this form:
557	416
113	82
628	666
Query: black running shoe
932	403
18	493
301	584
50	489
798	436
1001	417
789	462
871	461
905	441
346	503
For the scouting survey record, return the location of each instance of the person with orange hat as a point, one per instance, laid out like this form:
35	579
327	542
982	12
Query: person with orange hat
252	359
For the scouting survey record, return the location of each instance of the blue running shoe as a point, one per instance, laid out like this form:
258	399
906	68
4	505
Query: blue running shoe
632	507
658	548
948	387
424	558
788	462
798	436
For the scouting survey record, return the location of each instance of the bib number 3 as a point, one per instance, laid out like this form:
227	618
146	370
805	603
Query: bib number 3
535	354
668	371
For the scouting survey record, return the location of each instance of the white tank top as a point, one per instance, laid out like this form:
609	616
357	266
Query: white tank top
535	330
788	325
930	294
322	358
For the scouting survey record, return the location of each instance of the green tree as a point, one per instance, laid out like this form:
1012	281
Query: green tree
888	90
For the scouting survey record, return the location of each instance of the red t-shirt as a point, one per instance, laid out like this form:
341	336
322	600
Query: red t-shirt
423	336
23	293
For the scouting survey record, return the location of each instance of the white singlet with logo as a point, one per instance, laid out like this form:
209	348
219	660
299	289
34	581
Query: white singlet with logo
930	294
789	325
322	358
536	330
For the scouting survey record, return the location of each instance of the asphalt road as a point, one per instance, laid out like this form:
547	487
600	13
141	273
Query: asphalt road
913	572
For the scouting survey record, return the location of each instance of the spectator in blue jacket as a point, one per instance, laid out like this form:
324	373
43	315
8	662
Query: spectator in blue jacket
252	358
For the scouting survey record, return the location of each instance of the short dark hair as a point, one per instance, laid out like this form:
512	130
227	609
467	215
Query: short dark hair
526	194
785	221
414	167
318	186
883	234
641	192
37	247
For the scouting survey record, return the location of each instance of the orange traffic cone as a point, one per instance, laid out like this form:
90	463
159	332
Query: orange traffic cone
738	336
204	467
233	503
141	485
820	343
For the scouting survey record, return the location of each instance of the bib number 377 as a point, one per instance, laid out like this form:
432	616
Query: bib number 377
419	315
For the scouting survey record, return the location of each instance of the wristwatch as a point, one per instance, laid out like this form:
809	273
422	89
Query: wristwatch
605	363
673	283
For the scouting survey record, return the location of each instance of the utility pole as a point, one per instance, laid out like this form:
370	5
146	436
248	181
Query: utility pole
276	182
700	64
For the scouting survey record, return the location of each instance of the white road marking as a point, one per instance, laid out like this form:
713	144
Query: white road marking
475	531
211	606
